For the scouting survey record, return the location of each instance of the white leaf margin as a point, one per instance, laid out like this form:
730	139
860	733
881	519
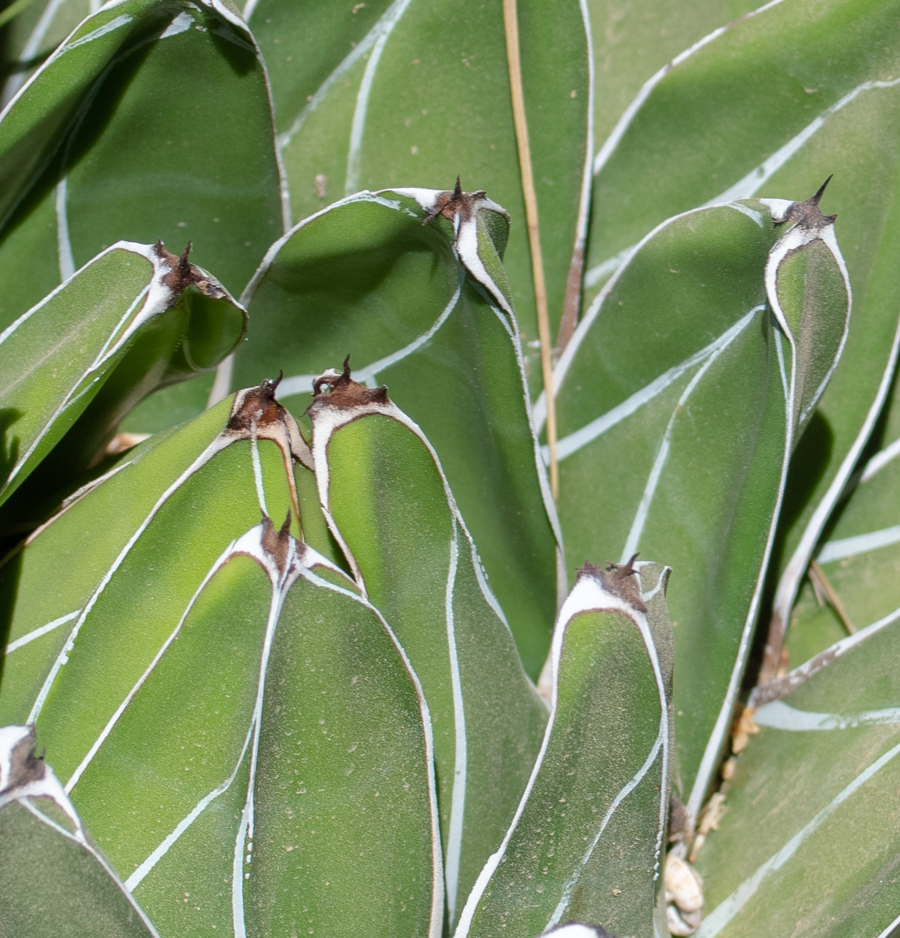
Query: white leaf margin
588	595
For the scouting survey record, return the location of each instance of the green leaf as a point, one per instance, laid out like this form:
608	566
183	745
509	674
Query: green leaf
807	845
827	102
414	92
425	309
263	682
856	568
587	838
676	405
385	494
55	882
127	131
632	42
33	34
133	318
185	496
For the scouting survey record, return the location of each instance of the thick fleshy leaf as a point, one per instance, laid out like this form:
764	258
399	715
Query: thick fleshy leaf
54	882
386	97
677	402
89	154
425	309
263	682
587	838
133	318
387	498
184	496
632	42
808	843
810	89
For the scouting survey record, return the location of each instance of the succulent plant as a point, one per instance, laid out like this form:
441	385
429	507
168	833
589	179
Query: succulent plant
384	553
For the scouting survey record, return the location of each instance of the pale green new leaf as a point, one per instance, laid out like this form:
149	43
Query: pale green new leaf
677	403
419	93
132	319
184	496
389	503
426	310
54	881
586	842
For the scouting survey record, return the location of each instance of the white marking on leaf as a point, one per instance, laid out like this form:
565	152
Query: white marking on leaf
460	771
628	116
889	453
799	675
796	568
147	866
588	595
860	544
32	47
435	929
891	930
180	23
781	716
359	50
252	544
79	837
730	907
711	755
760	175
627	789
101	31
640	518
64	244
584	201
755	216
354	155
257	474
597	427
37	633
129	697
593	276
216	446
568	355
369	373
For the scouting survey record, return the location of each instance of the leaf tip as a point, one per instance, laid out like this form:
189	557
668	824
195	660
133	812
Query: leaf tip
620	579
808	214
338	389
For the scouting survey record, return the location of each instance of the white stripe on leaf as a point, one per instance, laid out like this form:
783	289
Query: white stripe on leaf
781	716
730	907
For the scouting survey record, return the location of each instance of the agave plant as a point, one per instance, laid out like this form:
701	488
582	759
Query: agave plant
449	559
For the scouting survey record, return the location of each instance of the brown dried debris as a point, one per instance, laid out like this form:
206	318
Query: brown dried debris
183	274
742	729
808	214
339	390
450	204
